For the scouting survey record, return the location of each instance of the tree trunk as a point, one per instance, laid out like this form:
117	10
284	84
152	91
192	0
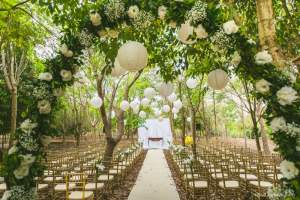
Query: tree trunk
14	109
255	132
194	132
267	31
109	151
264	136
183	127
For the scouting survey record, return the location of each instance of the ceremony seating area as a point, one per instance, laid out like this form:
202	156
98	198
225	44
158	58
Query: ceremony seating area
226	171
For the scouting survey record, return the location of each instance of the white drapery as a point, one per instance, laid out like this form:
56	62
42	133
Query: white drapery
158	129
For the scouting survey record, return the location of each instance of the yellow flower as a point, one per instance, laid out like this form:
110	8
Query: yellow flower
188	140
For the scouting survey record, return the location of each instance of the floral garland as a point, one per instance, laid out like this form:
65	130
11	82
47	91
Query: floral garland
106	23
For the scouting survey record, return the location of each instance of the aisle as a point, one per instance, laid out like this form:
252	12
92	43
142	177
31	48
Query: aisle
155	181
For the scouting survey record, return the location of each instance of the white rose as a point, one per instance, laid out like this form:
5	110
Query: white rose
200	32
263	57
185	32
46	76
58	92
66	75
44	107
236	59
27	126
230	27
133	11
162	11
288	169
262	86
286	95
65	51
95	19
278	124
12	150
102	33
112	33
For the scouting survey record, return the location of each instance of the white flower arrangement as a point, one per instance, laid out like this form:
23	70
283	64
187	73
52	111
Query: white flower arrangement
133	11
20	193
262	86
230	27
220	40
278	124
114	9
288	169
95	19
28	142
44	107
162	11
27	126
293	130
286	95
46	76
280	193
143	20
236	58
198	12
66	51
23	170
66	75
263	57
200	32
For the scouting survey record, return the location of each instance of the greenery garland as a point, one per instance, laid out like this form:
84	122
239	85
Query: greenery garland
107	24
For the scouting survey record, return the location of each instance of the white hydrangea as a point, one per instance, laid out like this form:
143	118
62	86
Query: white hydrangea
278	124
27	126
133	11
262	86
46	76
200	32
288	169
286	95
230	27
66	51
263	57
44	107
66	75
162	11
95	19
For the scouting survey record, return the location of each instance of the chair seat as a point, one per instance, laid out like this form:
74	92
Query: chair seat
199	184
42	186
262	183
113	171
2	186
229	184
92	186
218	175
105	177
50	179
80	195
63	187
249	176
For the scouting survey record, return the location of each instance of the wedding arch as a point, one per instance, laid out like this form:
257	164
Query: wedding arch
107	25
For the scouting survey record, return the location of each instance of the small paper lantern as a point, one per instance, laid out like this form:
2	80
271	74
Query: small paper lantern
175	110
96	102
149	93
124	105
185	32
142	114
172	97
135	104
145	102
180	78
177	104
154	104
217	79
165	89
117	70
133	56
166	108
191	83
189	119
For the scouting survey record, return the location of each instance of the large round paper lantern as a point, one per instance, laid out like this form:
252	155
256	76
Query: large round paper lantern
142	114
185	32
166	108
145	102
117	70
191	83
133	56
96	102
175	110
177	104
172	97
149	92
165	89
124	105
189	119
217	79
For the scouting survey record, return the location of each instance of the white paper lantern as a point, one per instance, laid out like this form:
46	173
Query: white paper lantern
172	97
189	119
175	110
217	79
165	89
191	83
157	113
180	77
142	114
185	32
135	104
177	104
133	56
166	108
145	102
175	116
96	102
154	104
124	105
149	92
117	70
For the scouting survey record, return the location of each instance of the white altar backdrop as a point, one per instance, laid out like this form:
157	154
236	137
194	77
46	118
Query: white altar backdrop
156	128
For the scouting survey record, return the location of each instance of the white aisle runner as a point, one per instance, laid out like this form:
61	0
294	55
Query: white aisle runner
154	181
